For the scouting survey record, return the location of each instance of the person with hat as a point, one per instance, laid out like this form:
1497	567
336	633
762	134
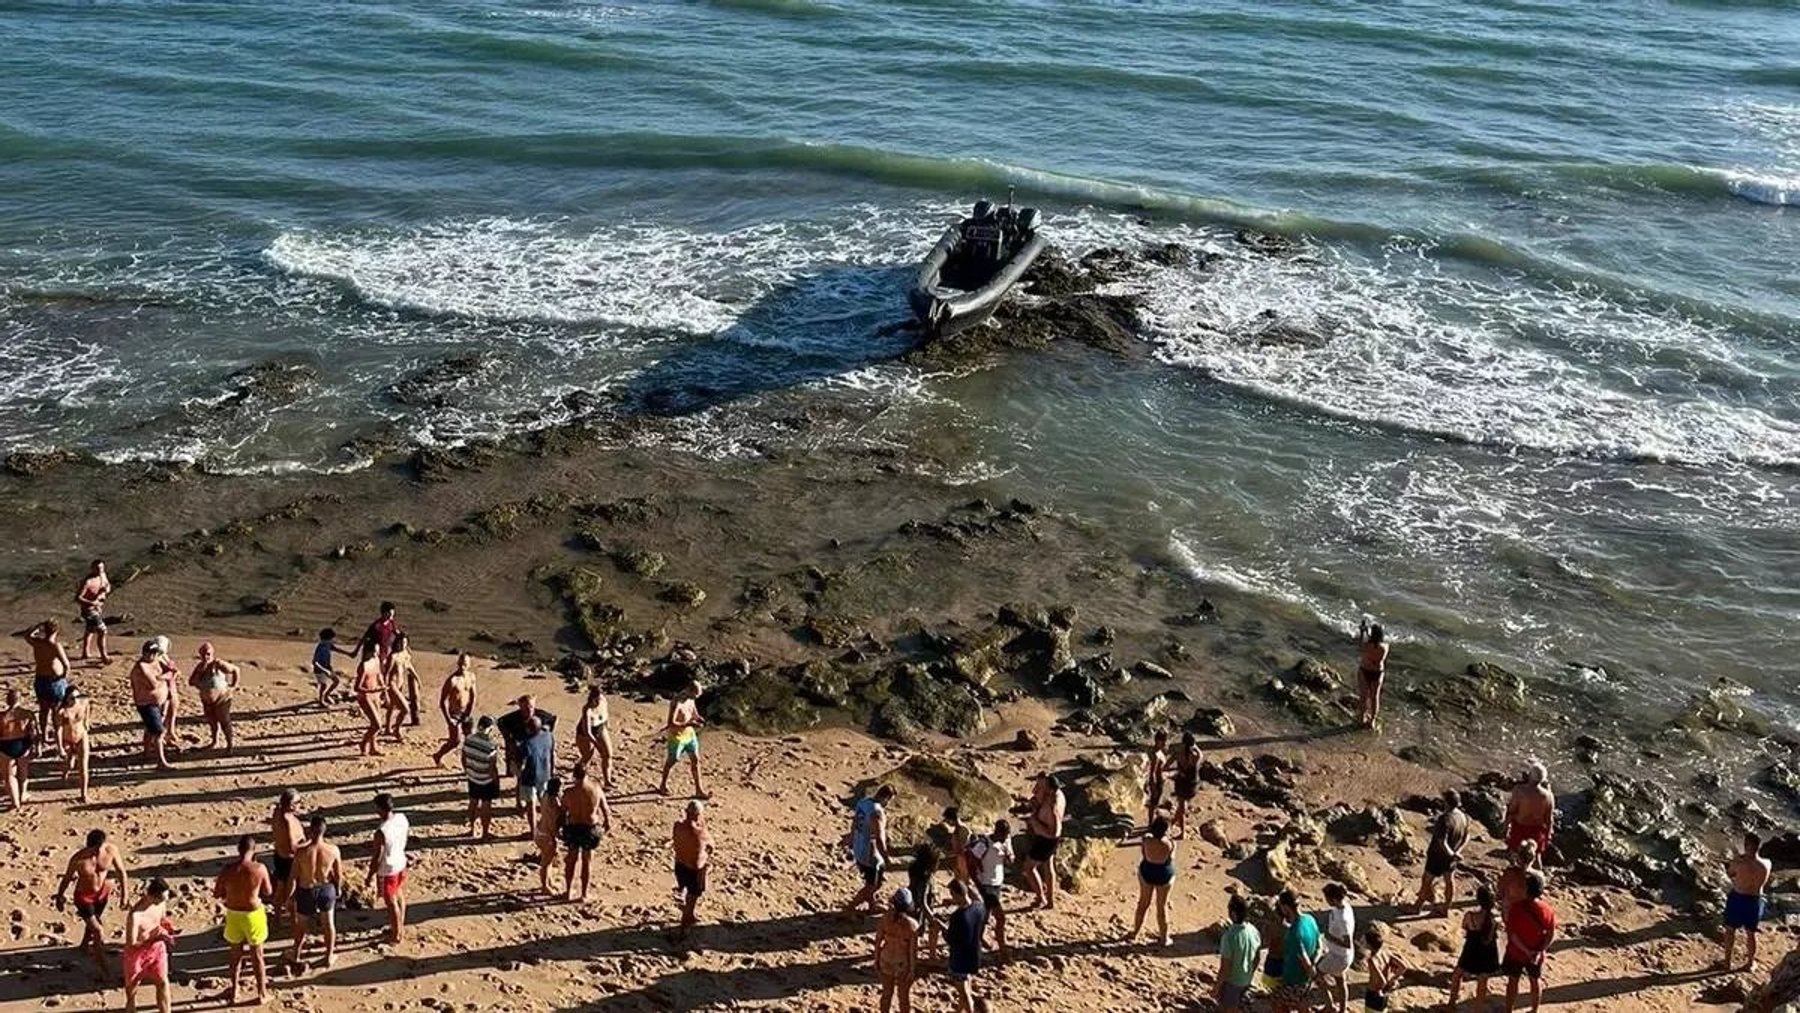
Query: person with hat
217	681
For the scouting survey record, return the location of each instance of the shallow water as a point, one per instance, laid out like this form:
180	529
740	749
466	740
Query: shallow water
1558	419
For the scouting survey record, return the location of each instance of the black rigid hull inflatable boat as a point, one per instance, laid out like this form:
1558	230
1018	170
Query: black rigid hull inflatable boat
973	266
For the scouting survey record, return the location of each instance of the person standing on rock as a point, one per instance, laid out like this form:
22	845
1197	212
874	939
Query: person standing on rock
148	936
868	844
216	681
456	702
387	864
90	602
1156	772
580	804
72	731
149	693
370	688
50	676
1044	822
481	767
692	844
1530	929
1338	947
1531	811
682	730
1449	833
1156	872
593	736
1749	874
90	872
1371	669
18	733
1300	954
963	929
284	824
988	858
244	886
318	883
1238	951
897	952
1186	777
1480	957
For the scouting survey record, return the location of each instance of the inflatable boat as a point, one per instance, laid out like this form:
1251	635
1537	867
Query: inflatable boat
973	266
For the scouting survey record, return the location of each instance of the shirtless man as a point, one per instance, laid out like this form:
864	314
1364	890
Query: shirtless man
693	849
150	692
1531	812
50	676
456	702
172	683
72	732
897	952
401	697
593	736
1371	669
1186	777
1749	874
18	731
243	885
1156	772
579	804
682	732
217	682
547	831
90	871
285	823
318	881
1044	820
90	600
148	934
369	687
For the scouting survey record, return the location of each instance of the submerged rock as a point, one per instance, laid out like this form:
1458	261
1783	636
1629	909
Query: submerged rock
1480	688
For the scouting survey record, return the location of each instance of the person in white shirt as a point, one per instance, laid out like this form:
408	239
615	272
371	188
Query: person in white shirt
988	858
1338	947
387	866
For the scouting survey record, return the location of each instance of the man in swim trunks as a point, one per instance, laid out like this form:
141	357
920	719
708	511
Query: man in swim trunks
18	730
1044	822
693	849
868	844
1448	835
90	601
387	863
1156	773
90	871
1530	930
50	676
217	682
72	732
1186	777
682	731
1749	874
1371	669
1531	811
244	885
148	933
580	802
318	881
456	702
150	693
481	768
287	832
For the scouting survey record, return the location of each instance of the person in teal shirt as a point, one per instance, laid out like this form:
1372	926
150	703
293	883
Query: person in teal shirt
1299	952
1238	949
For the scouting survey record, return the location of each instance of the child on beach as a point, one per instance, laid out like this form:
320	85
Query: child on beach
325	679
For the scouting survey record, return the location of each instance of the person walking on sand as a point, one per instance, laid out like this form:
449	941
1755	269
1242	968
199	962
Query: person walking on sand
90	602
481	767
1156	871
1531	811
593	737
963	929
1044	822
1371	669
1186	777
1749	873
400	697
217	682
1530	929
1156	773
72	732
284	823
1239	948
318	883
897	952
988	858
1449	833
384	630
369	689
324	675
1299	955
387	864
1386	970
1480	956
682	731
456	702
580	803
868	844
90	871
149	693
148	935
546	830
49	677
1337	947
244	886
18	732
537	760
692	844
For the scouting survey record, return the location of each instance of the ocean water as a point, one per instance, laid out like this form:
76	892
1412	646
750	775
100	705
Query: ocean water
1556	422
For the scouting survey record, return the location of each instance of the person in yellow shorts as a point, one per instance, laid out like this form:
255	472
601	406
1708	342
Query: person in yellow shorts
244	886
682	732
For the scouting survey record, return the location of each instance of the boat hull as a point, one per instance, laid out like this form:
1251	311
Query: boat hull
944	311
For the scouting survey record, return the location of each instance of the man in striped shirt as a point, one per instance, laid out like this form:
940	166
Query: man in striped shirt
481	764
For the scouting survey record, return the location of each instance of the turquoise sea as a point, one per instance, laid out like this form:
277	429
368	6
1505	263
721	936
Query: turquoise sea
1557	420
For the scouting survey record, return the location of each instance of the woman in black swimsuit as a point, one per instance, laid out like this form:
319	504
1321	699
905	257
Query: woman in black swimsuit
1480	958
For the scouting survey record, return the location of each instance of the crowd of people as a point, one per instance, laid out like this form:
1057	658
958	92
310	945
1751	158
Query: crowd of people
1299	957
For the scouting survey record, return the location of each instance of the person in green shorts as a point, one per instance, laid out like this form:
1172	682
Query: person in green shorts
683	734
1238	950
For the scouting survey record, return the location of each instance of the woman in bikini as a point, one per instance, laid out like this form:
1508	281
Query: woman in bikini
1371	668
1156	871
400	684
592	735
897	952
369	687
217	681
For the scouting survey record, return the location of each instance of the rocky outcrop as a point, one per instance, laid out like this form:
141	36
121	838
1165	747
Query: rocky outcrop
1481	688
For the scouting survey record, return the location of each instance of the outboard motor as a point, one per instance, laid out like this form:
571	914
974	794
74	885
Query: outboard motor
1028	222
981	236
983	209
